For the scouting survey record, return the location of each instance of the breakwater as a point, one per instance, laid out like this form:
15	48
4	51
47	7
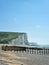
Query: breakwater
29	50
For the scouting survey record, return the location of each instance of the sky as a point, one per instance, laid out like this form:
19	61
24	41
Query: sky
30	16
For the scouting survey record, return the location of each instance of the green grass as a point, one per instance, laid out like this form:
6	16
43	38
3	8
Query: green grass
7	36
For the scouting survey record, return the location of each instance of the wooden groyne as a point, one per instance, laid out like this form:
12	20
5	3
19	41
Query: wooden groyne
41	51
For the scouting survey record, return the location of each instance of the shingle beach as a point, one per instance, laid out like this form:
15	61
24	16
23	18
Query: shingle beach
14	58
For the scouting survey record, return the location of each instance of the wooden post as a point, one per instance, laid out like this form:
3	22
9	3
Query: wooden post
37	51
44	51
32	51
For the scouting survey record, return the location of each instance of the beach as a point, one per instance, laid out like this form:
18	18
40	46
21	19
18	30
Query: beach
14	58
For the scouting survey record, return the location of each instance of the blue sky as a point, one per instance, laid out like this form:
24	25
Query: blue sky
30	16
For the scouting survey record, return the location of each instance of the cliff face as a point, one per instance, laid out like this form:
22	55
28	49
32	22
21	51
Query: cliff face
21	40
13	37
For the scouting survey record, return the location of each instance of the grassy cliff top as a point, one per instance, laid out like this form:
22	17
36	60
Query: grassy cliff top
7	36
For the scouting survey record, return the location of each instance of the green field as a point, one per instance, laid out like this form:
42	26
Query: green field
8	36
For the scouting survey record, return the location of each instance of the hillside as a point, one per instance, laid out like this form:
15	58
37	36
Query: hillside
7	36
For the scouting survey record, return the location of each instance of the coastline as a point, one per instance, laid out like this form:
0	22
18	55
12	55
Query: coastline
14	58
